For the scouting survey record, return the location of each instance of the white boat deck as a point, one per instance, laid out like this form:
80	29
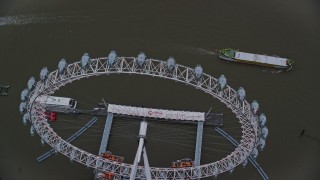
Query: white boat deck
261	58
156	113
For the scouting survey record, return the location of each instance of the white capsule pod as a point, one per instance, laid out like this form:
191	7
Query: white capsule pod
141	59
171	64
45	137
241	93
216	176
198	70
26	118
100	175
62	66
31	83
231	170
88	161
44	74
231	165
262	120
254	106
222	81
244	163
24	94
215	172
72	155
32	131
57	147
23	107
262	144
85	61
42	142
112	58
255	153
264	132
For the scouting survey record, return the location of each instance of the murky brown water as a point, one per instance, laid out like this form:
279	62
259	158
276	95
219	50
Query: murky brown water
189	31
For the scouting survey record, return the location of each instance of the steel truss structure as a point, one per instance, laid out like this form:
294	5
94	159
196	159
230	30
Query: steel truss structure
156	68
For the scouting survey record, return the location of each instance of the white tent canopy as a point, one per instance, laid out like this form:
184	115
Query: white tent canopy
156	113
261	58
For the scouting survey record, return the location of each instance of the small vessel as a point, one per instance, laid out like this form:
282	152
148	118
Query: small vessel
4	90
249	58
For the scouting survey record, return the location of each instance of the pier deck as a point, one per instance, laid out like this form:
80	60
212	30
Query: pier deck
106	133
213	119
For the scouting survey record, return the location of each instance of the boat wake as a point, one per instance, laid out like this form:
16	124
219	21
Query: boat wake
201	51
277	71
273	71
41	19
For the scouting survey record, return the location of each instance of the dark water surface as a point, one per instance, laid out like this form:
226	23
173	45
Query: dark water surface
189	31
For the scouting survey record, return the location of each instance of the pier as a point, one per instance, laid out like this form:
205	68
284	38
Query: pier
136	113
106	133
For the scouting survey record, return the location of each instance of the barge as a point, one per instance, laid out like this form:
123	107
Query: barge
257	59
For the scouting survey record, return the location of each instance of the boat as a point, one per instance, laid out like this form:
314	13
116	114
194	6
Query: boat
4	90
257	59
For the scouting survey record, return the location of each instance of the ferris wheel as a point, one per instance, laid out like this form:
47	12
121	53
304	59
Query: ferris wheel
253	126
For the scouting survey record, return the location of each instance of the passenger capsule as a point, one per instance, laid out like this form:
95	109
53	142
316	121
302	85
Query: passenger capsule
72	155
31	83
141	59
42	142
262	144
23	107
254	106
215	171
241	93
24	94
44	74
26	118
32	131
112	58
88	162
264	132
231	170
255	153
45	137
57	147
62	66
222	81
198	71
216	176
171	64
85	60
244	163
262	120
